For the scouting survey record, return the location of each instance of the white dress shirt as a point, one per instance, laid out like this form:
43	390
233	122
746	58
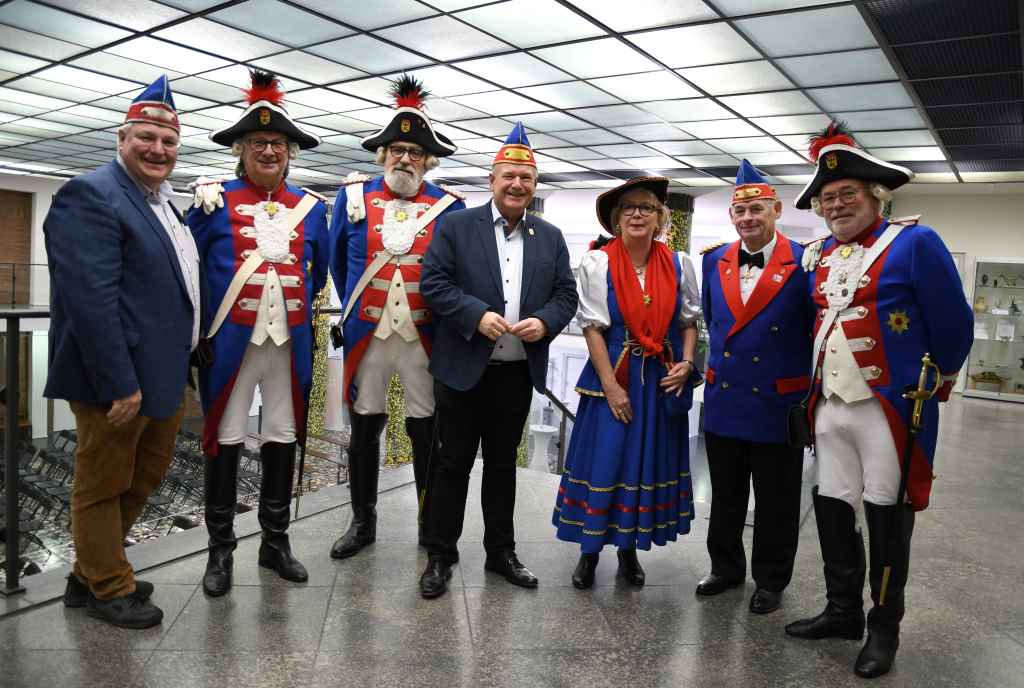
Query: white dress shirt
184	244
508	347
750	274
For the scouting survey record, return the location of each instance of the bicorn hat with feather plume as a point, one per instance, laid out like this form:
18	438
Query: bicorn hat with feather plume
265	112
837	157
410	122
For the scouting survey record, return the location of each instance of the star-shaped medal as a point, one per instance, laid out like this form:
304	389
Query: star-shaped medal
271	208
401	216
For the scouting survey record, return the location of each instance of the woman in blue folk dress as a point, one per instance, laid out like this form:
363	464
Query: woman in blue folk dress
627	476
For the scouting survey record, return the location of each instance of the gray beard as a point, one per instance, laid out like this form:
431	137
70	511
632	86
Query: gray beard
403	184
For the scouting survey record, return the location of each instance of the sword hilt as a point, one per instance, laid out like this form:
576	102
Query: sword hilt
923	392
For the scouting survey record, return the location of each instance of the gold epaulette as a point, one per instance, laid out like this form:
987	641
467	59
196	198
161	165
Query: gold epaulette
908	221
712	247
355	178
458	194
314	194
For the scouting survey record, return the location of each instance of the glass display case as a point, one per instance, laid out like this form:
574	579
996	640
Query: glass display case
995	367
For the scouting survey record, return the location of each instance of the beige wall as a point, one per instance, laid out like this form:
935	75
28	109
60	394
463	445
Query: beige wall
986	226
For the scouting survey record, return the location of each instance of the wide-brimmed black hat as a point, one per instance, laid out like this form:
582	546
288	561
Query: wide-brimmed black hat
607	201
838	157
266	112
410	123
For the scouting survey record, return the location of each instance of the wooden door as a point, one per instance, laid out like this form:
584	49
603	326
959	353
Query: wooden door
15	246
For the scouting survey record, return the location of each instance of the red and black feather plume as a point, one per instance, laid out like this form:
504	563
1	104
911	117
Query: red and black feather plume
265	86
408	91
835	133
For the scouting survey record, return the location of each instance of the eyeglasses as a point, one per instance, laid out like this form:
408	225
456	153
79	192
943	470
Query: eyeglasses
846	196
165	141
276	145
415	154
645	209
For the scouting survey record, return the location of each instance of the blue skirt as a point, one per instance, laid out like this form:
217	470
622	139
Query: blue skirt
626	484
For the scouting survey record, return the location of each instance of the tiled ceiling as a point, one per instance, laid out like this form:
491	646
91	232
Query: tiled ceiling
608	90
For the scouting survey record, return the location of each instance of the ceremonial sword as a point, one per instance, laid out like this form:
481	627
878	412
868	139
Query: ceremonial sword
918	395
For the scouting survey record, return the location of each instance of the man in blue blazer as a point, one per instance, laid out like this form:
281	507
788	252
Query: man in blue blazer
500	284
124	274
759	318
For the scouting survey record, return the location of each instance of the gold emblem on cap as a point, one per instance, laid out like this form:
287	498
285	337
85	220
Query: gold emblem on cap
405	125
264	116
517	154
831	161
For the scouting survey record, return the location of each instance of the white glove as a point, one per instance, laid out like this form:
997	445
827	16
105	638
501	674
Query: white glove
208	194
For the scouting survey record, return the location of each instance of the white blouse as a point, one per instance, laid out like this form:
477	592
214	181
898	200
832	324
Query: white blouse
592	285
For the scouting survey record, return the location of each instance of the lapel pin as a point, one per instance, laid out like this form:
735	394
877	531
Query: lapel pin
728	271
777	278
530	230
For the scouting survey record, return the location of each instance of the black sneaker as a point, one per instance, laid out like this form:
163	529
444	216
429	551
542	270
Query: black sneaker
76	594
127	611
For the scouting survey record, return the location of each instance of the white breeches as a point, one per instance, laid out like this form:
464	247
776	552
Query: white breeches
856	455
269	366
384	358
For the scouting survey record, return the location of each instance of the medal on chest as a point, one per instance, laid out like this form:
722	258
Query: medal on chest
399	225
269	228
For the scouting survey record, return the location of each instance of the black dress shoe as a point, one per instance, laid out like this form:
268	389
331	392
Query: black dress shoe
713	584
76	594
831	623
583	574
765	601
877	656
629	568
507	564
434	581
126	612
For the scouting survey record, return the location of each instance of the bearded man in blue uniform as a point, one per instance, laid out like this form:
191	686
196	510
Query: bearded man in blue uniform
887	293
380	231
263	245
759	317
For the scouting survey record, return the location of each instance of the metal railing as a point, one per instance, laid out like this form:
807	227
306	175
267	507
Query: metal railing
13	316
9	272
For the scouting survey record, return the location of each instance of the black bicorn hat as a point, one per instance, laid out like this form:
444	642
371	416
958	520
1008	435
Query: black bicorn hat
266	112
837	157
606	202
410	122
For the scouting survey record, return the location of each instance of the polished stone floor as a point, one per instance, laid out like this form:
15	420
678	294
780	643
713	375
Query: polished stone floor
361	622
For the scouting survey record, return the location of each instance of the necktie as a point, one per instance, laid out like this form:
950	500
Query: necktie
751	259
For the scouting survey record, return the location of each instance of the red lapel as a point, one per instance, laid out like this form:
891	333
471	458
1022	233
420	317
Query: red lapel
773	278
729	275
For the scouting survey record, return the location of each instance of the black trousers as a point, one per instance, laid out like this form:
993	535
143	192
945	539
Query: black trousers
777	470
491	414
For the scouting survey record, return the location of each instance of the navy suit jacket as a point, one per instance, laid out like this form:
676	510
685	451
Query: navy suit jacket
120	315
462	280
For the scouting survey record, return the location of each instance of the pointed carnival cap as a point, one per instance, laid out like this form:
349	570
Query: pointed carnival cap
155	105
750	185
266	112
410	122
516	149
837	157
607	201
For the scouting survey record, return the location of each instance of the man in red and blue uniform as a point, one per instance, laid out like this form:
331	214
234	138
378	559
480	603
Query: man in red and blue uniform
759	319
380	230
887	293
264	249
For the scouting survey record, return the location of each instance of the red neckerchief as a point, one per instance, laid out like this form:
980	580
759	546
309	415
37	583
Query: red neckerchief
647	311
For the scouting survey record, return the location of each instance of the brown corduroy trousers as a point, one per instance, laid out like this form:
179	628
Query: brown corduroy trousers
116	469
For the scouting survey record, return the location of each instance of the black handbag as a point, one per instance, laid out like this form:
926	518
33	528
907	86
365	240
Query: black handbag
798	425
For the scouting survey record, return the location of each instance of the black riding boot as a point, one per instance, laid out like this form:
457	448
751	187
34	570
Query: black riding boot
275	511
842	549
421	434
363	468
219	490
893	548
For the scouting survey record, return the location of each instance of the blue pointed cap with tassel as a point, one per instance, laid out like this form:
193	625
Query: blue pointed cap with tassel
750	185
155	105
516	149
